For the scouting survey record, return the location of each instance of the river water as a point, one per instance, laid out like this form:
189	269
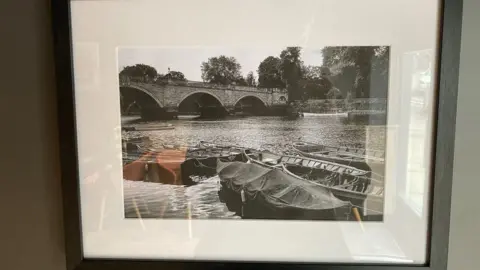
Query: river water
154	200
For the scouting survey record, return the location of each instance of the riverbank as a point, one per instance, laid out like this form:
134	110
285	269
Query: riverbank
138	119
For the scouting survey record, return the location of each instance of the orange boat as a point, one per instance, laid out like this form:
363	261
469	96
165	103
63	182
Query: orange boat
159	167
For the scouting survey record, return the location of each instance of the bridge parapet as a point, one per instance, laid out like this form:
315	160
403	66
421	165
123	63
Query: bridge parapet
221	87
126	80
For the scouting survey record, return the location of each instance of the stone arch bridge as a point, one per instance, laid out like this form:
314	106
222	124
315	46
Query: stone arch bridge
166	100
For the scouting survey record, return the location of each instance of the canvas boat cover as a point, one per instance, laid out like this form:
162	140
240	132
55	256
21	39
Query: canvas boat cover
277	188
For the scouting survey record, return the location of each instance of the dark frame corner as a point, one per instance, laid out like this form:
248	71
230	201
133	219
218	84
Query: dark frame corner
450	25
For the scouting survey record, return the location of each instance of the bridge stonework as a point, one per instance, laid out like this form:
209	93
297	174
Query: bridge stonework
170	95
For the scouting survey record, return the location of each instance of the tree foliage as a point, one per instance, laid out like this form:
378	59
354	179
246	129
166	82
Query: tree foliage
291	70
291	65
316	72
172	75
316	82
241	82
355	55
288	71
364	59
139	71
251	80
269	75
222	70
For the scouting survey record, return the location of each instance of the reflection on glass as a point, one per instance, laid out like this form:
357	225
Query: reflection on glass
421	93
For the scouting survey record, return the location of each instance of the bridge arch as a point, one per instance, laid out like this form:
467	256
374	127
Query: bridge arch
199	93
250	97
149	106
205	103
160	104
251	105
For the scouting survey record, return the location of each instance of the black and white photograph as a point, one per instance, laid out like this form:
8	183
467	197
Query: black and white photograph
212	132
287	133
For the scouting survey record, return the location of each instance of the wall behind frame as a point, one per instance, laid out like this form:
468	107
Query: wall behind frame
30	202
464	236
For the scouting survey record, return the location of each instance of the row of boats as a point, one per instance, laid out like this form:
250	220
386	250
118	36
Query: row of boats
311	182
316	182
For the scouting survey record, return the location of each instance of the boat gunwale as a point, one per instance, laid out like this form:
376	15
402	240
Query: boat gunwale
335	188
364	172
364	158
346	192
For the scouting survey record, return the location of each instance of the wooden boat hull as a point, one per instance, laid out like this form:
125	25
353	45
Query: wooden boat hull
148	127
258	209
205	166
176	166
378	155
201	160
366	187
354	157
355	194
205	149
272	160
257	197
159	167
357	164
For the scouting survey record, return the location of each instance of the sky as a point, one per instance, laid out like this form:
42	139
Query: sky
188	60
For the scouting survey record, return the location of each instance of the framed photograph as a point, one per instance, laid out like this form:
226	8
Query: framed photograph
220	134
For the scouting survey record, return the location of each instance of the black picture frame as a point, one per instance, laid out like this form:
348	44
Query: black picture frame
444	134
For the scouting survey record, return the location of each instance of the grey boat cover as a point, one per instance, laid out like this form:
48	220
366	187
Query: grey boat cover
276	187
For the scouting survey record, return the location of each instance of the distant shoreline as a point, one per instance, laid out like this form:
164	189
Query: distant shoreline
128	119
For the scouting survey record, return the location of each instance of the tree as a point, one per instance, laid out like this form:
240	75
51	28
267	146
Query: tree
364	59
222	70
315	82
334	93
269	75
241	82
172	75
250	79
315	72
291	68
140	71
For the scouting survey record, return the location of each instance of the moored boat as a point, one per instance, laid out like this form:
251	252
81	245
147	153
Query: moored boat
201	159
206	149
162	166
275	160
175	165
345	182
344	186
260	192
148	127
365	159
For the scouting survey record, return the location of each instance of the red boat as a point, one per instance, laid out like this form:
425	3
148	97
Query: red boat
160	167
